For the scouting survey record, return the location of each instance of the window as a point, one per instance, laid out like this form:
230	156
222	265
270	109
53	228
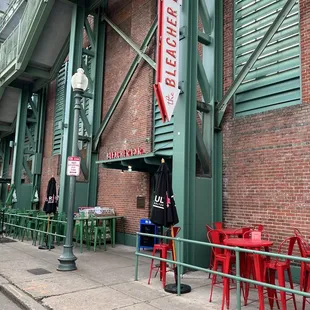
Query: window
274	80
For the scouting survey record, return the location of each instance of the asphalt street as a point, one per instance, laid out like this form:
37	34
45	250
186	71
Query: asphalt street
7	304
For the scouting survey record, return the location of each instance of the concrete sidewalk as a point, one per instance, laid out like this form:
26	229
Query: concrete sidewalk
104	280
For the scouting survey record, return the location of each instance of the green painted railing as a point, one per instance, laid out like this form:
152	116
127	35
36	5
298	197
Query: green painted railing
10	48
12	7
8	216
238	278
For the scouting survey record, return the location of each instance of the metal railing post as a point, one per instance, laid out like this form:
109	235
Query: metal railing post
238	280
137	258
179	258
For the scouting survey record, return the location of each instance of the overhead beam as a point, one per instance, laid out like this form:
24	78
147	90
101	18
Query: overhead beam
251	61
149	60
38	73
124	84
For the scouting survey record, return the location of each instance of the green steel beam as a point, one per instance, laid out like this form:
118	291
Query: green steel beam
204	107
84	168
27	169
204	38
5	167
89	32
30	137
217	155
252	59
202	152
203	81
75	60
18	156
184	141
34	108
205	17
124	84
100	37
2	89
149	60
85	121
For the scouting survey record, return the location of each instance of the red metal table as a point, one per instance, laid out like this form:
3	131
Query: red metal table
248	243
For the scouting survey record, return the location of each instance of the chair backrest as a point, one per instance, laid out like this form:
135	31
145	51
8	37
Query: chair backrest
216	237
208	228
289	242
218	225
258	227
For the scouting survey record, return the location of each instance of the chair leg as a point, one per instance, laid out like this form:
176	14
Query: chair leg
292	287
151	267
105	235
95	238
305	289
214	277
281	280
81	236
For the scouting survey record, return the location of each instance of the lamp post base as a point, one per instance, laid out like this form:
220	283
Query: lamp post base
173	288
67	260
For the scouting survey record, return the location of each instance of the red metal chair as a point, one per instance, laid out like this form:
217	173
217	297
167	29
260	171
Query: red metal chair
306	285
163	249
305	252
258	227
218	225
219	258
273	266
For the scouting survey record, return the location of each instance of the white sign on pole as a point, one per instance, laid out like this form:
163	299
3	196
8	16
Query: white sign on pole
167	75
73	166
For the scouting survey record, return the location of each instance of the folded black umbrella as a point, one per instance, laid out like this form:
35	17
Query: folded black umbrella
164	212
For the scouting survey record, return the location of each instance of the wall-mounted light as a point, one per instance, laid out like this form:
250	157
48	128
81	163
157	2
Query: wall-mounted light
129	168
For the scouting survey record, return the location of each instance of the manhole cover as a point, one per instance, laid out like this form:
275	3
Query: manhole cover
6	240
38	271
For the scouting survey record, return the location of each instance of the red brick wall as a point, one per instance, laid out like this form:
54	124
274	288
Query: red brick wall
266	166
131	123
50	162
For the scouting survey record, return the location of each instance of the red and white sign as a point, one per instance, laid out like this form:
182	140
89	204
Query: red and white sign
126	153
73	166
167	74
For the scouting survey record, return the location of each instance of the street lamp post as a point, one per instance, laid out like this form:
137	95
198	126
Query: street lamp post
67	259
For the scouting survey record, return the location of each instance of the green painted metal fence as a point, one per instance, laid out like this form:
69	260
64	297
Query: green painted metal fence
238	278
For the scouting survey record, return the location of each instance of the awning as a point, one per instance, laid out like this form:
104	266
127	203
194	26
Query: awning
143	163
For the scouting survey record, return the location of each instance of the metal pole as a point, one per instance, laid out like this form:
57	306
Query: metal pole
137	258
67	259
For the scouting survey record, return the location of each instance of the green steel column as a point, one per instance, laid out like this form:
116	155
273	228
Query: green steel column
217	170
5	168
37	162
75	59
184	141
19	143
100	34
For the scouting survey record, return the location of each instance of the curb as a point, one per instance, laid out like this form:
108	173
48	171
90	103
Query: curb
20	298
